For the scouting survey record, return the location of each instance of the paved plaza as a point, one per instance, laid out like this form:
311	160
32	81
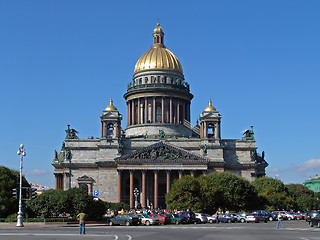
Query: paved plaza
299	230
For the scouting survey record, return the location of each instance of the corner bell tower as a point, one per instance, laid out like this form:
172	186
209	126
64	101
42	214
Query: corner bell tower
210	122
111	122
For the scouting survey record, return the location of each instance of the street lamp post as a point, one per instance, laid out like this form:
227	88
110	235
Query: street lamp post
136	194
22	153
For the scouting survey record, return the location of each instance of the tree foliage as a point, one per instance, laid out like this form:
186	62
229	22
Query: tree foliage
9	179
207	193
273	194
185	194
72	201
227	191
304	199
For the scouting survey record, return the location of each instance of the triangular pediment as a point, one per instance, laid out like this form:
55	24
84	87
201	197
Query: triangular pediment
85	178
161	152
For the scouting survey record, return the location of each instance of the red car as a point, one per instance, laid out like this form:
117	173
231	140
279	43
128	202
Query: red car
299	216
163	218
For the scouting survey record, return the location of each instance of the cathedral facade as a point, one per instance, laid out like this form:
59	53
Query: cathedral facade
158	145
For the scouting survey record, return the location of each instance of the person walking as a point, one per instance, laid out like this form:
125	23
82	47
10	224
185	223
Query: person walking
82	225
279	221
217	217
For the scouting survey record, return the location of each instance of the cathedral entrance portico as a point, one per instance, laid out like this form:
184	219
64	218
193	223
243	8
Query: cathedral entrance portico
152	184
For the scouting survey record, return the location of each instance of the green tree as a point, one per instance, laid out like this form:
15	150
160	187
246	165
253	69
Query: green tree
9	179
207	193
72	201
273	194
184	194
227	191
304	199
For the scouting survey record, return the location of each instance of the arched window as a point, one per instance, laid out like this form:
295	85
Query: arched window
110	130
210	130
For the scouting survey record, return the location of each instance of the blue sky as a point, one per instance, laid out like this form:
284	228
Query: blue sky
61	61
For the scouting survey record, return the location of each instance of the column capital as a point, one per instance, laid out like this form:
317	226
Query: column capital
143	171
155	171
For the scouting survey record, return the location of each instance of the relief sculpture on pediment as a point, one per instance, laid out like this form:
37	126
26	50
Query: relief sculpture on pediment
161	153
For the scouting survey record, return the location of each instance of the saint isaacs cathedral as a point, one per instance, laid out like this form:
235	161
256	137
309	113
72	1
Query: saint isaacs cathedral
157	145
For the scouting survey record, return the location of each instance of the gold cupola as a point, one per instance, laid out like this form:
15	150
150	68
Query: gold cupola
158	57
210	107
111	107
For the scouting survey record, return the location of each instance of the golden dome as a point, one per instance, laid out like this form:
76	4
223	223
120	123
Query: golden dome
158	57
158	29
210	107
111	107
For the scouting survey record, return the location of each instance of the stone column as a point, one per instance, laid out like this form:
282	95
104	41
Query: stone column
217	134
183	111
156	189
170	111
132	112
102	128
205	131
128	114
192	173
58	181
115	129
143	190
145	110
180	173
178	112
139	113
119	185
162	110
131	189
154	110
168	181
188	111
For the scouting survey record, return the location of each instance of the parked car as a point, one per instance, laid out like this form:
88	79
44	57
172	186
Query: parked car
254	217
211	219
201	218
315	221
176	219
188	216
290	216
124	219
148	220
226	218
299	215
163	218
311	214
270	216
240	217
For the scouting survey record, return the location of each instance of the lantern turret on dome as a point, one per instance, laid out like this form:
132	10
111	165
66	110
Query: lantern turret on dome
210	107
111	122
111	107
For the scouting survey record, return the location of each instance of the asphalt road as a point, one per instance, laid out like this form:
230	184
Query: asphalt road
299	230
